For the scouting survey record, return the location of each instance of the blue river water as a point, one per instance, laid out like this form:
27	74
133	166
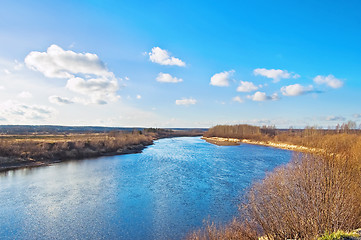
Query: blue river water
162	193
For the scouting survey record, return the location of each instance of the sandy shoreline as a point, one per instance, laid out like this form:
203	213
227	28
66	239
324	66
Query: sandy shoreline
235	141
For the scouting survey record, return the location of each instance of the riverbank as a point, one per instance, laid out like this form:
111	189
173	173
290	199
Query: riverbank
301	198
235	141
34	150
12	163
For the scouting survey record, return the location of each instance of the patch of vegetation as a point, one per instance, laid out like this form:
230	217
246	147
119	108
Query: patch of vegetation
339	235
311	137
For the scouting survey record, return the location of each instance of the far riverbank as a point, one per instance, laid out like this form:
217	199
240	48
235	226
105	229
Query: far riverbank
220	141
24	151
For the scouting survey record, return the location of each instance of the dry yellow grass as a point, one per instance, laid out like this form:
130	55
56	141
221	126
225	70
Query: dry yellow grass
28	150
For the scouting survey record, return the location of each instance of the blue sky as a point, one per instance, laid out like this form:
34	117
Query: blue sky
180	63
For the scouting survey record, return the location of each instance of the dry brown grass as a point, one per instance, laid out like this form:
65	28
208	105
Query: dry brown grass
309	137
48	147
308	197
234	230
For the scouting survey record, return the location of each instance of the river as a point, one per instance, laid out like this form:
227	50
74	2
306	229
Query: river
162	193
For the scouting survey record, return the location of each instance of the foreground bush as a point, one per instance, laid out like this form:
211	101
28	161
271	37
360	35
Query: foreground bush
309	196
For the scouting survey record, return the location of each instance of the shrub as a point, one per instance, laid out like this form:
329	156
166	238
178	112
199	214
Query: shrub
307	197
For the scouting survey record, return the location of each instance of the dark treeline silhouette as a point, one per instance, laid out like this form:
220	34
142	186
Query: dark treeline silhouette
54	129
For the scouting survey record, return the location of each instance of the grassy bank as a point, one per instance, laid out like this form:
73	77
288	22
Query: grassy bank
29	150
310	137
316	193
26	151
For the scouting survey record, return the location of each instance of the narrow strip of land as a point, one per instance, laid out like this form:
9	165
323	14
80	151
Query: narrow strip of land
220	141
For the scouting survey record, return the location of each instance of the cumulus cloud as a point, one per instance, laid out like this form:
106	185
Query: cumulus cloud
25	94
167	78
262	96
221	79
100	90
247	87
357	115
238	99
18	112
296	90
58	63
335	118
163	57
60	100
85	72
186	101
139	96
275	74
329	80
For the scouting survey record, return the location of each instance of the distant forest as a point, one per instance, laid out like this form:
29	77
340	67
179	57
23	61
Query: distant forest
249	131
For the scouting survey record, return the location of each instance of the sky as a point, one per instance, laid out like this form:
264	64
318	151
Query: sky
180	63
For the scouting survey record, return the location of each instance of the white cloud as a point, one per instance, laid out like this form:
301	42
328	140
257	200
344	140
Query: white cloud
85	72
58	63
186	101
163	57
139	96
238	99
2	87
275	74
356	115
25	94
18	112
60	100
295	90
100	90
167	78
221	79
246	87
335	118
261	97
329	80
